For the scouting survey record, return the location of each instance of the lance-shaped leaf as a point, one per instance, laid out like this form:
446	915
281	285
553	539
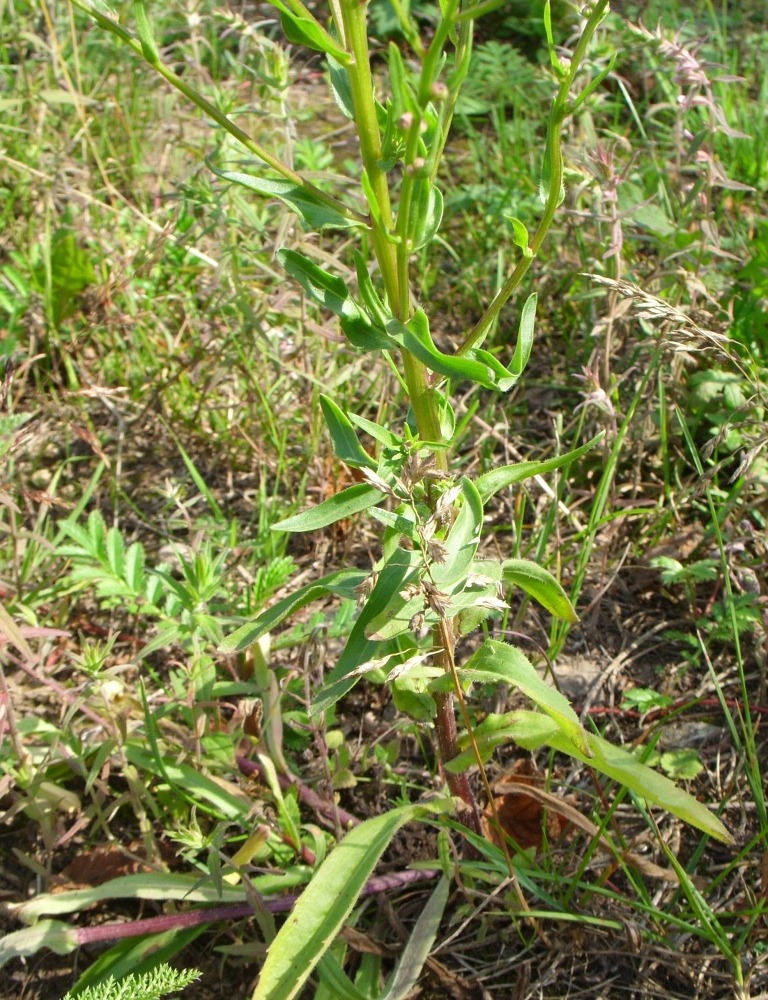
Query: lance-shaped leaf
344	504
325	904
314	213
426	214
500	662
377	310
524	344
306	31
342	583
507	475
146	34
399	570
541	585
462	541
532	730
416	338
330	291
416	951
345	442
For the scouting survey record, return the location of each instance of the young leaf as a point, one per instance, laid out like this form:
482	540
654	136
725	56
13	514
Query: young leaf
325	904
97	530
146	34
306	31
116	551
377	432
426	214
520	235
135	574
498	661
506	475
392	578
345	443
462	541
541	585
314	213
524	344
342	583
344	504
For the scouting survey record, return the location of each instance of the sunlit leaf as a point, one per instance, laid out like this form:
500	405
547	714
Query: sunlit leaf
507	475
325	904
313	212
350	501
541	585
624	768
342	583
345	442
501	662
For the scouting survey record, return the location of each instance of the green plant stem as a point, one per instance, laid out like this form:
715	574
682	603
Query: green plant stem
219	117
393	262
560	111
420	392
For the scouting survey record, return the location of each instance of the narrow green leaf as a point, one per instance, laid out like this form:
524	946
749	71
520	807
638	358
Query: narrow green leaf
325	288
593	84
426	213
378	312
314	213
376	431
419	944
359	649
335	980
341	583
415	337
198	788
200	483
341	88
541	585
494	731
116	552
146	34
462	541
345	443
624	768
507	475
135	574
524	344
325	904
557	66
498	661
97	529
331	292
157	886
350	501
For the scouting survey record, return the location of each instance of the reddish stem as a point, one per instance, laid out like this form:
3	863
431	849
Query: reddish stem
218	914
324	809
